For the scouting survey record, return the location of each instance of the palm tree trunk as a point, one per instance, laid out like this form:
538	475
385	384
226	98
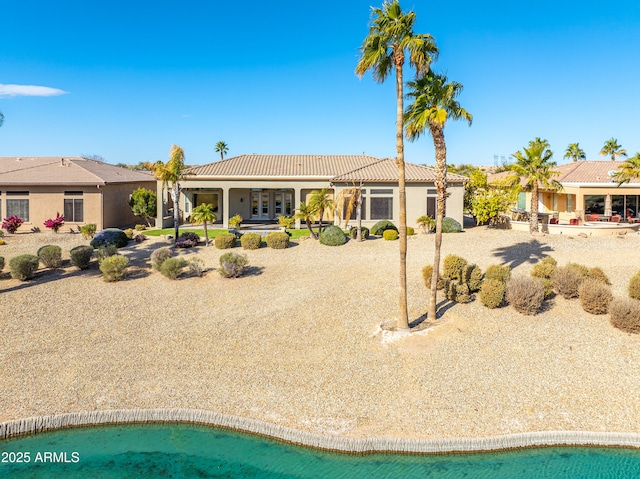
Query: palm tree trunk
403	314
206	234
320	214
441	188
175	196
359	216
533	224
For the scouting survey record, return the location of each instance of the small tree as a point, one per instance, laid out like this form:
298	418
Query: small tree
171	174
307	214
204	214
347	200
320	201
143	203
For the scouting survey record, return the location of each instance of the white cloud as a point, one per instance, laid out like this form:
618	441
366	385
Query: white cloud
29	90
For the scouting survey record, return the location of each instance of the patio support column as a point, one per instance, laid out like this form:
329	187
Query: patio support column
297	198
161	204
225	208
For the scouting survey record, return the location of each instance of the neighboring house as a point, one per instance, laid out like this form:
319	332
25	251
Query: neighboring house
588	187
84	191
260	188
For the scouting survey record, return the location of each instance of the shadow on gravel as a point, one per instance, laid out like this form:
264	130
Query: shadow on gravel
422	321
521	253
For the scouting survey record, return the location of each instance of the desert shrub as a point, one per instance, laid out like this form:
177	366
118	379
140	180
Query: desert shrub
196	266
232	264
110	236
525	294
566	281
381	226
353	232
543	270
24	266
427	273
50	256
634	286
498	272
251	240
88	231
159	256
332	236
172	267
549	260
449	225
492	293
1	263
286	221
580	268
105	251
277	240
595	296
55	223
452	266
187	239
11	224
450	289
81	256
599	275
2	242
129	233
235	221
472	276
1	233
140	227
624	314
225	241
410	231
114	267
390	235
463	293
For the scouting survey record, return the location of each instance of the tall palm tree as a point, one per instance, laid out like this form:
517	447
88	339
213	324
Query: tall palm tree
574	151
391	36
534	165
320	201
222	148
434	102
629	170
171	174
204	214
1	118
611	147
307	214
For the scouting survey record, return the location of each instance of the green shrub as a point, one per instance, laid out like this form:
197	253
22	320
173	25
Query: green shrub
463	293
498	272
525	294
450	289
140	227
172	267
277	240
599	275
595	296
81	256
24	266
492	293
105	251
286	221
624	314
232	264
580	268
364	232
543	270
50	256
410	231
567	280
129	233
634	286
452	266
159	256
1	262
332	236
251	240
235	221
88	231
472	276
549	260
110	236
390	235
225	241
381	226
449	225
114	267
427	273
196	266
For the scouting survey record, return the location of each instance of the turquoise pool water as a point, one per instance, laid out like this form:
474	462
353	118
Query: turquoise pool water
185	451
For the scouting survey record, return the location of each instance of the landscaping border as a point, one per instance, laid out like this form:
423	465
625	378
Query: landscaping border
319	441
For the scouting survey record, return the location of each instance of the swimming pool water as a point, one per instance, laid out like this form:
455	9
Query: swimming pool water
187	451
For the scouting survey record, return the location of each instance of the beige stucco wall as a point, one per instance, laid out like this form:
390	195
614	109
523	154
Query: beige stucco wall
116	209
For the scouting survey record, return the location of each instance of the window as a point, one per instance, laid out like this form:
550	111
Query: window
594	204
19	208
381	208
522	201
74	210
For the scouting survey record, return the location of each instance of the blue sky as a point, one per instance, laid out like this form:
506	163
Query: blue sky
278	77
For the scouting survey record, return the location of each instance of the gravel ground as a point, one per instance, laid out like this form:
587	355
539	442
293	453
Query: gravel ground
296	341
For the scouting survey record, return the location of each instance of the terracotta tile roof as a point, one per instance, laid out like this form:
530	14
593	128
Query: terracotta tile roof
330	167
56	170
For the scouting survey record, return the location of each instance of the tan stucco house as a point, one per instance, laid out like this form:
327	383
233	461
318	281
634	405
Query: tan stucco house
84	191
260	188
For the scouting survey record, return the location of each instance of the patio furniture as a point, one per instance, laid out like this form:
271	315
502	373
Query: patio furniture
574	221
553	221
615	219
594	217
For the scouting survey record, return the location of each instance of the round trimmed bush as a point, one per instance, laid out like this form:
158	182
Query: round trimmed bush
81	256
449	225
172	267
624	314
128	232
50	256
106	251
232	264
382	226
472	275
109	236
159	256
599	275
498	272
390	235
410	231
277	240
332	236
114	267
567	280
525	294
225	241
595	296
24	266
492	293
1	263
364	232
427	273
251	240
634	286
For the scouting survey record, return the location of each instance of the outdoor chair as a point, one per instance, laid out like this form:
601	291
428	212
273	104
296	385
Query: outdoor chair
574	221
594	217
615	219
553	221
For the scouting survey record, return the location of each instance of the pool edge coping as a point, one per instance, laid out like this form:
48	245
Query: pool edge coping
344	444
